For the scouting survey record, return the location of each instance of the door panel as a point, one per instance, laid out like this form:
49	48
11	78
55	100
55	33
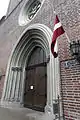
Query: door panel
28	98
36	83
40	89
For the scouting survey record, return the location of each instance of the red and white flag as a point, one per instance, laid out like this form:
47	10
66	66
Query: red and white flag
58	30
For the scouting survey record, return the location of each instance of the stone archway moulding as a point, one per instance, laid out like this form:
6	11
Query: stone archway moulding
13	92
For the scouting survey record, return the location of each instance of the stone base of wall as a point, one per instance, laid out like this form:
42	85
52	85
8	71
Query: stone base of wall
11	104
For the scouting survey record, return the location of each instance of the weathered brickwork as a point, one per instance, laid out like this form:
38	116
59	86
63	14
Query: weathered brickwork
70	76
70	69
69	13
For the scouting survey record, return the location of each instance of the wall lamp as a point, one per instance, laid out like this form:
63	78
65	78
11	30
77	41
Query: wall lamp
75	49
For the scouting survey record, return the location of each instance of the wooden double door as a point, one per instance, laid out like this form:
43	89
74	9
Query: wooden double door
35	94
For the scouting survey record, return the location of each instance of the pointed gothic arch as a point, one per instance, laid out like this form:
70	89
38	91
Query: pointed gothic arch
35	35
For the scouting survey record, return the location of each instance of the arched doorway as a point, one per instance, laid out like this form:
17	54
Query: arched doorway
35	93
37	35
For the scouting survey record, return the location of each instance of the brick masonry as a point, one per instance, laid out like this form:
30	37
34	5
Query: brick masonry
70	68
69	14
70	76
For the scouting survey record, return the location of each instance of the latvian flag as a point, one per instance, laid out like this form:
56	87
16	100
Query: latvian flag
58	30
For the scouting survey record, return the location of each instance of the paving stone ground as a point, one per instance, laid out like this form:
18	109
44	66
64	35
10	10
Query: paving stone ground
22	114
11	114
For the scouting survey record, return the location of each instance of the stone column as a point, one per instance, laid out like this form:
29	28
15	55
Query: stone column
12	87
50	85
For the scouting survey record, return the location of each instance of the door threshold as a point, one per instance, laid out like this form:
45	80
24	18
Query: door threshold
36	108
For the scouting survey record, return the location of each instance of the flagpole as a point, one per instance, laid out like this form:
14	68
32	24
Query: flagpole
67	38
65	31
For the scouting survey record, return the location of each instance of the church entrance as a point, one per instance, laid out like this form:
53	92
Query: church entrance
35	93
31	71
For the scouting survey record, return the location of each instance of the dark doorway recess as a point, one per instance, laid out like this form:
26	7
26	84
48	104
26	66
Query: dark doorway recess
35	94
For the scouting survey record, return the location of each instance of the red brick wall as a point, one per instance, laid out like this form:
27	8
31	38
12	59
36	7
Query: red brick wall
69	66
70	80
70	76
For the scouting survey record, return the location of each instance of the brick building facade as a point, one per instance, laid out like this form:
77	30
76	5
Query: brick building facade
12	30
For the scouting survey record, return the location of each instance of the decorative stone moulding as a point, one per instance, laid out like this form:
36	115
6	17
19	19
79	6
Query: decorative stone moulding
28	11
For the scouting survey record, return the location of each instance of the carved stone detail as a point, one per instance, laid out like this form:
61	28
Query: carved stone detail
33	9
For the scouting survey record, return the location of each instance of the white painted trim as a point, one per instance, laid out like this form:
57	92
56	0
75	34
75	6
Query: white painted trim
57	26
